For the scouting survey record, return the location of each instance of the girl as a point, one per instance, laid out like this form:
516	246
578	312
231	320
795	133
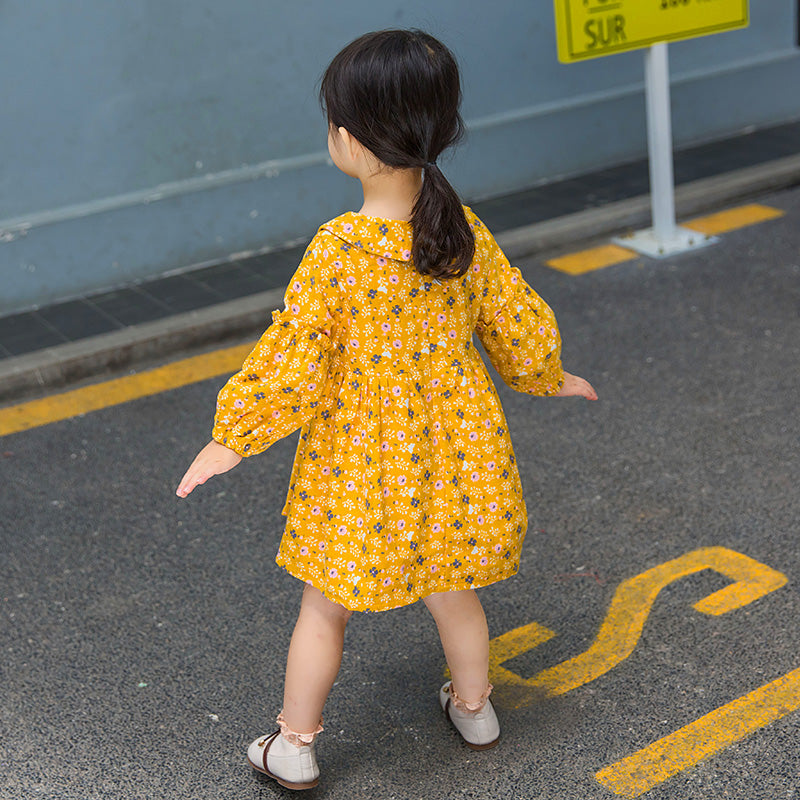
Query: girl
405	485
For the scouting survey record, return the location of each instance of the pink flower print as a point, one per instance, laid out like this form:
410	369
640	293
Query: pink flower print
401	435
297	286
312	367
480	519
278	358
498	547
435	382
473	437
341	530
475	476
295	308
501	319
356	440
441	318
484	561
438	485
394	279
424	324
452	334
436	527
428	397
402	480
397	391
381	261
384	446
303	551
337	264
322	545
493	506
360	522
487	423
476	268
471	392
334	573
350	280
316	511
385	491
435	440
386	581
387	401
527	362
268	431
553	331
490	465
311	387
514	279
326	470
387	255
276	414
542	330
397	344
401	523
350	486
437	426
354	344
238	403
385	327
389	539
351	565
406	254
347	227
434	567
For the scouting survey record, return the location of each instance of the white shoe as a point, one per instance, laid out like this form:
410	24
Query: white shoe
293	767
479	729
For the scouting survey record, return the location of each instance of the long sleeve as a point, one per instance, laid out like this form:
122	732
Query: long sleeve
282	380
517	328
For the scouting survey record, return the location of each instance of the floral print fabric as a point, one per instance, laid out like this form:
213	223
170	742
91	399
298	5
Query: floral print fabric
405	481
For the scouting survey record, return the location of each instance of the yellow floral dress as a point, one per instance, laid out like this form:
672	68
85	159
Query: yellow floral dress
405	481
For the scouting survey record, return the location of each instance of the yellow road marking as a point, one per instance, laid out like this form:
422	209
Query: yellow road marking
732	219
34	413
640	772
595	258
622	627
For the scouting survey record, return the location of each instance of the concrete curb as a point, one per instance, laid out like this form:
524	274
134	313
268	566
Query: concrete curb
141	345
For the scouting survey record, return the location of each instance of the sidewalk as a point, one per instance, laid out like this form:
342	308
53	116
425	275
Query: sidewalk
69	341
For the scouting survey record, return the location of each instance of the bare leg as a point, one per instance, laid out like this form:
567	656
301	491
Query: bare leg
465	638
315	654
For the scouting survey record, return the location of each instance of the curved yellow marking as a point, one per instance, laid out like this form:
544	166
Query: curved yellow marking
623	624
640	772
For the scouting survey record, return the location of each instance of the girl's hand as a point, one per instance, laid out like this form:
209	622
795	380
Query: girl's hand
213	459
576	387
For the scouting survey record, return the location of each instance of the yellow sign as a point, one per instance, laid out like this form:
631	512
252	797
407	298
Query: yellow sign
592	28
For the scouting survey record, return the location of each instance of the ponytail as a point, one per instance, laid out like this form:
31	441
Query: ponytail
398	92
443	244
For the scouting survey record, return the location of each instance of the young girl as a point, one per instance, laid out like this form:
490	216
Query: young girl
405	485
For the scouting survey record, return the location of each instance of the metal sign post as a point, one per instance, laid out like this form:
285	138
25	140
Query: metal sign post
665	237
592	28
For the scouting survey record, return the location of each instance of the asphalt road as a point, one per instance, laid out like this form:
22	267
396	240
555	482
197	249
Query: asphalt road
143	637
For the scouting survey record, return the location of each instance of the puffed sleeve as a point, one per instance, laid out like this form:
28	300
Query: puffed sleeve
282	380
517	328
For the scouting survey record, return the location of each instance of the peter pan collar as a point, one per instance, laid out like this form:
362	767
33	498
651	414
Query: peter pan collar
389	238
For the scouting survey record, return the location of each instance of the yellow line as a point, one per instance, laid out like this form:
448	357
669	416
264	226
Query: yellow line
733	218
594	258
636	774
622	627
34	413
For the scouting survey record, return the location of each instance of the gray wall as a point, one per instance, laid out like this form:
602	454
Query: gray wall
143	137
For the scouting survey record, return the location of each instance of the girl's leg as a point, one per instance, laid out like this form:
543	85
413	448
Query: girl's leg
465	638
315	654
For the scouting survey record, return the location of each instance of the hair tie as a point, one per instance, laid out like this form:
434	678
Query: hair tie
429	164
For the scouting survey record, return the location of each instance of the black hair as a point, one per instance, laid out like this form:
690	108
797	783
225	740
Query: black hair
397	92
